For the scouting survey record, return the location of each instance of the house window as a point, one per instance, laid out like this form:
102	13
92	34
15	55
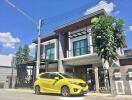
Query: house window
80	47
49	52
130	74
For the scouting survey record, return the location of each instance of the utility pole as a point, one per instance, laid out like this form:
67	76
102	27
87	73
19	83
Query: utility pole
39	27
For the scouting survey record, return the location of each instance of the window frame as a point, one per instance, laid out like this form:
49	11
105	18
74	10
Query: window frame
51	48
81	50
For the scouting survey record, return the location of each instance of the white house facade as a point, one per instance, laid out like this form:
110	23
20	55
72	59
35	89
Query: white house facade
70	49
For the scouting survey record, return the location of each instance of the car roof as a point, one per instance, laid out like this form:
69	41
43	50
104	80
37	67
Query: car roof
49	72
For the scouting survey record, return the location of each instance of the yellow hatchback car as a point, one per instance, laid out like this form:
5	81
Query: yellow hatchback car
59	83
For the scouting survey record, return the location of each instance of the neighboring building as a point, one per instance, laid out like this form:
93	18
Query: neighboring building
121	77
70	49
128	52
7	70
126	59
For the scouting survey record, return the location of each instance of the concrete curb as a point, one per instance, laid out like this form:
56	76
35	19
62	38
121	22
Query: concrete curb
88	94
109	95
19	90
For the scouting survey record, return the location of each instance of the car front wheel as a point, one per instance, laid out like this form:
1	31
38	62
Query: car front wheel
65	91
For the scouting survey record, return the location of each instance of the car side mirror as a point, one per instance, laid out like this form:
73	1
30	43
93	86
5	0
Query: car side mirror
56	78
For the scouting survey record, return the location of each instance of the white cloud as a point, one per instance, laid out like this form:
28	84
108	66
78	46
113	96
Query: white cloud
108	7
11	55
7	40
32	46
130	27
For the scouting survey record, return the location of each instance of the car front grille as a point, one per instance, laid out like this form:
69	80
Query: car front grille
83	84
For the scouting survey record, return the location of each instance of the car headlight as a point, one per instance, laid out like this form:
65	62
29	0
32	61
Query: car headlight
74	83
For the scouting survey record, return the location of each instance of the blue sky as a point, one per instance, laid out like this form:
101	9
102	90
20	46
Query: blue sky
16	29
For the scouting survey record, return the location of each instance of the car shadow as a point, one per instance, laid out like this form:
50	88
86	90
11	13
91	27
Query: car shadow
51	94
48	94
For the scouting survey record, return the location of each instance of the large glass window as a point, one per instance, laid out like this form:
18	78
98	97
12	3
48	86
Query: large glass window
80	47
49	52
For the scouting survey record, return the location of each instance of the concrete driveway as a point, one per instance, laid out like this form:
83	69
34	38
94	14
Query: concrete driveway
27	94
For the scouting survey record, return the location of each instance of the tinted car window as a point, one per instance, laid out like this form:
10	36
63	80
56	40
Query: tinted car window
66	76
46	75
52	76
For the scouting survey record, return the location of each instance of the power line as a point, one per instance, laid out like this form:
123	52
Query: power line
66	16
57	19
20	11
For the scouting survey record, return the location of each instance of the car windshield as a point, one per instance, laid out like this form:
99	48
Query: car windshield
65	75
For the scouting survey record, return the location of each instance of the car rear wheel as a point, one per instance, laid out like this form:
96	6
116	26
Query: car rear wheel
65	91
37	90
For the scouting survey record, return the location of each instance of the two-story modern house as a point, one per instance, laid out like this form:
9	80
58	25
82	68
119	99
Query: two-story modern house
70	49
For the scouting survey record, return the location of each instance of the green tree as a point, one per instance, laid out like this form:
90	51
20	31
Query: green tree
22	56
108	37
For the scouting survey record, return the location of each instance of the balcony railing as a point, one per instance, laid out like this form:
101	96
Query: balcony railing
78	51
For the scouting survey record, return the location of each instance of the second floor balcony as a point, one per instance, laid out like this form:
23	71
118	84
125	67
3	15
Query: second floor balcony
78	51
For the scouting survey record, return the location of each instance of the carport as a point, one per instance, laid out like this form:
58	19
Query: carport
82	65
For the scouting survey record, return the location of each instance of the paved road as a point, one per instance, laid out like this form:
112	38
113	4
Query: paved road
25	94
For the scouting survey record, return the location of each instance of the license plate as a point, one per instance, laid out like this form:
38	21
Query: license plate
84	89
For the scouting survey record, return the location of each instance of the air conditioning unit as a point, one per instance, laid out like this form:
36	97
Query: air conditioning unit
117	74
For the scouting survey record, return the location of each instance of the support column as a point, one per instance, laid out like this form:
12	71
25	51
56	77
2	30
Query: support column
96	78
69	42
56	49
90	42
60	53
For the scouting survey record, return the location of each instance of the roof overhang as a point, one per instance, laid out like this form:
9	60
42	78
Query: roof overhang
125	57
46	38
42	62
125	60
79	23
82	60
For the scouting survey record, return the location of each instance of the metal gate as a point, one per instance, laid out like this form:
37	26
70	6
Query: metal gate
25	76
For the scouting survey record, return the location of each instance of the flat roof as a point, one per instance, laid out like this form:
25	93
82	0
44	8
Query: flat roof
42	62
47	37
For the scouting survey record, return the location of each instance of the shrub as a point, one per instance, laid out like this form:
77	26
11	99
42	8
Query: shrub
1	85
